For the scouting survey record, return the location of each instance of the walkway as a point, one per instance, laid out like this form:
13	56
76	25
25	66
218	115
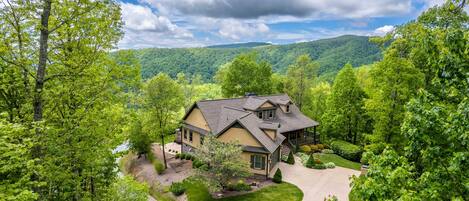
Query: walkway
318	184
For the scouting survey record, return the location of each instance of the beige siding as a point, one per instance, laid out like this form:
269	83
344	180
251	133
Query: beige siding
266	105
247	157
239	135
195	139
196	118
271	133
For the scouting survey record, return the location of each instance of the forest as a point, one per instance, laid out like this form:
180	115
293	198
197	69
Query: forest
66	101
331	54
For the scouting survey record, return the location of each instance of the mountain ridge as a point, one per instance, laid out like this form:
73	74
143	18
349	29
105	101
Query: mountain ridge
331	53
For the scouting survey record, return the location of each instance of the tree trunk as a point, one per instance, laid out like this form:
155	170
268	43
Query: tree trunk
41	68
164	154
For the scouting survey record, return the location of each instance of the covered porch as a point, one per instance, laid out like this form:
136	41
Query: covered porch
302	136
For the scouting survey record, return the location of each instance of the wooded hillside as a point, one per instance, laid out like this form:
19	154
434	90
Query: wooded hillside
332	54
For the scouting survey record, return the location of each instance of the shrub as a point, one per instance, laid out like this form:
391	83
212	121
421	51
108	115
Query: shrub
310	162
239	186
284	158
197	163
305	149
319	166
277	176
188	157
177	188
159	166
317	161
327	151
376	148
291	159
320	146
178	155
330	165
347	150
304	157
314	148
204	167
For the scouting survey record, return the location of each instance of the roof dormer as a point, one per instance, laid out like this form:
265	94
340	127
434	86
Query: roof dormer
285	105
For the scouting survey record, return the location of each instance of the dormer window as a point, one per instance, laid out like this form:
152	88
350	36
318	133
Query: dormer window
266	114
287	108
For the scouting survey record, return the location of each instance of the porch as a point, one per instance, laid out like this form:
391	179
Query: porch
302	137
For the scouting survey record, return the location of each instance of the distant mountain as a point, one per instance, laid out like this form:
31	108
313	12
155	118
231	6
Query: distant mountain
240	45
332	54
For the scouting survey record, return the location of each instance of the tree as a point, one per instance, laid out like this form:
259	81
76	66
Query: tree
126	188
316	106
277	176
70	94
435	125
163	98
300	77
225	162
344	114
139	140
291	158
394	82
245	74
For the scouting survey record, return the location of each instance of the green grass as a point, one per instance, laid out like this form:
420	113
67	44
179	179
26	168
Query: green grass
338	161
197	191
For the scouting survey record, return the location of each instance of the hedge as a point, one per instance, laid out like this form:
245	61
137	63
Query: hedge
347	150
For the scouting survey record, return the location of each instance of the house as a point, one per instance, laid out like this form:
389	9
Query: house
261	124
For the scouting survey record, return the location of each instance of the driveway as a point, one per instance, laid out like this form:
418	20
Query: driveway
318	184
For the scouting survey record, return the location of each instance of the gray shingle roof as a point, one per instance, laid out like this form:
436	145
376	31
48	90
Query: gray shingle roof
224	112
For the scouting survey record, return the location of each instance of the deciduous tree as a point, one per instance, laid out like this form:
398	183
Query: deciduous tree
300	78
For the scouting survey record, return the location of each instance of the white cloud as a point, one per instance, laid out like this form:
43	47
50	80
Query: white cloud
381	31
235	29
143	28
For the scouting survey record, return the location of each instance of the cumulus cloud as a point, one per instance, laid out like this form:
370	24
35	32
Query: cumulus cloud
235	29
384	30
144	28
248	9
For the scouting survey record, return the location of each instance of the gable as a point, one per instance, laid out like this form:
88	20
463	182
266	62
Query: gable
239	135
197	119
267	105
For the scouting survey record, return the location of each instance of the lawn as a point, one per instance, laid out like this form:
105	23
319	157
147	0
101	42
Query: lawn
338	161
196	191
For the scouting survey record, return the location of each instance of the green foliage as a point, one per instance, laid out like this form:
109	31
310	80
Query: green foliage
238	186
331	198
300	78
177	156
157	164
126	188
291	159
329	165
226	163
16	167
139	141
314	148
310	163
331	54
277	176
394	81
305	148
344	117
433	163
319	166
245	74
177	188
347	150
327	151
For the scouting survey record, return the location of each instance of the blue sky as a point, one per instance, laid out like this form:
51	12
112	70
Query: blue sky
198	23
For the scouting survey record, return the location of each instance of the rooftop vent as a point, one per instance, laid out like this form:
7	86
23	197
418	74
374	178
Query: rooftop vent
247	94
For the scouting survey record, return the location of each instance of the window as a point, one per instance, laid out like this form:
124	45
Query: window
259	114
266	114
258	162
201	140
190	136
185	133
288	108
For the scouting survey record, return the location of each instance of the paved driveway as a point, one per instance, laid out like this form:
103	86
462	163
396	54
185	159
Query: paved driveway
317	184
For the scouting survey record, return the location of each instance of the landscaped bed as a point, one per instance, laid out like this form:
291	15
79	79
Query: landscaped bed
196	191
